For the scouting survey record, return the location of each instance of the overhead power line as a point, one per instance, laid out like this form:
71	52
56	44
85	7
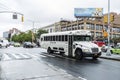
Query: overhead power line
4	6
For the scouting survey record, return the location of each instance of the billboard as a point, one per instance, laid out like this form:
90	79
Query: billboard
88	12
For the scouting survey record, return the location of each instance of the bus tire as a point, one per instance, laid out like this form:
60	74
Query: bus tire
0	46
49	50
78	54
94	57
62	53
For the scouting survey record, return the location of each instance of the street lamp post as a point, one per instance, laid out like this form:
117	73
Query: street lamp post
33	29
108	51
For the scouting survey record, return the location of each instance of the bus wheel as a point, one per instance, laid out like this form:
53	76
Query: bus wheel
62	54
94	58
49	50
78	54
0	46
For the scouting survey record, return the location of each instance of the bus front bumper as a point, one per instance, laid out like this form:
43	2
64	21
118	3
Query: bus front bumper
85	54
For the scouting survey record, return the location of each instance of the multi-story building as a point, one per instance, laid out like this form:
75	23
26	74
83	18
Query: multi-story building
6	34
96	26
10	33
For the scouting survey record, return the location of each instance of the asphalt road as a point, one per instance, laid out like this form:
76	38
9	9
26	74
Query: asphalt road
35	64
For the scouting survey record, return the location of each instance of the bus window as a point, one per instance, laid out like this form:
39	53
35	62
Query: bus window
66	38
59	37
62	37
50	38
53	38
41	39
45	38
82	38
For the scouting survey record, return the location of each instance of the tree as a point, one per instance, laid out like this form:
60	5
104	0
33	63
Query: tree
39	32
29	36
22	37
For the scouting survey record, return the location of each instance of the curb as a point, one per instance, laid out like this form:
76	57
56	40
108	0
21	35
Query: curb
110	58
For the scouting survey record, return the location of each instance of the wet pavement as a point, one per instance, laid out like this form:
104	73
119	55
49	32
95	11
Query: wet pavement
36	64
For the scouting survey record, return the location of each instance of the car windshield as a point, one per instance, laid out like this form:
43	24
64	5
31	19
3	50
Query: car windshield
117	47
27	42
82	38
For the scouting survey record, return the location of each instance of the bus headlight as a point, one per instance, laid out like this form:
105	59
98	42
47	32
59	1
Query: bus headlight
86	50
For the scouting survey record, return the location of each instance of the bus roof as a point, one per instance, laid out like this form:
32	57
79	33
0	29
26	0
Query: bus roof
75	32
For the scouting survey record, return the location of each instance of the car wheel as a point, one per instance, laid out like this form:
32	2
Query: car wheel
111	51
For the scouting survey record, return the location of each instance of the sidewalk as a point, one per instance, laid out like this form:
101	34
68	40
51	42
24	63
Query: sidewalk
112	57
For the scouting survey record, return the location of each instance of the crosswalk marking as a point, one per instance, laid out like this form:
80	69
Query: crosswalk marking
20	56
25	56
48	55
16	56
6	57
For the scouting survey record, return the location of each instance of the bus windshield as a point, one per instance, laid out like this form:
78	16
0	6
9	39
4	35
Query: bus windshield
82	38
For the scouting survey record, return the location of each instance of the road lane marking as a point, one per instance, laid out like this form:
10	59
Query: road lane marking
82	78
16	56
24	55
6	57
48	55
10	55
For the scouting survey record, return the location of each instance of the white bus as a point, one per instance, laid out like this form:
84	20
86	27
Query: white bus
76	44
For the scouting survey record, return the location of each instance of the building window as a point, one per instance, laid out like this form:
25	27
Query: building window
82	26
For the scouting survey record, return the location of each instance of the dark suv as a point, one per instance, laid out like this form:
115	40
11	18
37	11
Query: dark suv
27	45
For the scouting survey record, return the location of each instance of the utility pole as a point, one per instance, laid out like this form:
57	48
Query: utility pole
108	51
33	29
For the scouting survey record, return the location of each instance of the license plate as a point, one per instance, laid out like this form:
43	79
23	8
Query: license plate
95	54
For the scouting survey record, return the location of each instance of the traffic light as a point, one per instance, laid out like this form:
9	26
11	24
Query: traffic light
14	16
105	33
106	18
22	18
111	18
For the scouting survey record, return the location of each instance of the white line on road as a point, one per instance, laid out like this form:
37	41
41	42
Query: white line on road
6	57
82	78
48	55
25	56
16	56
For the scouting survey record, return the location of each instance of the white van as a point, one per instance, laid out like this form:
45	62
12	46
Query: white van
4	43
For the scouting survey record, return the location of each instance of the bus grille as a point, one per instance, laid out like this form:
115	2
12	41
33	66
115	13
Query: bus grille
94	49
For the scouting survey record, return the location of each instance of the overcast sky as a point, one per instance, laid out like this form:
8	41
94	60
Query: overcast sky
45	12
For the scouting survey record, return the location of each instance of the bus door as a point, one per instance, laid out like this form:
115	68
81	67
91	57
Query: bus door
70	45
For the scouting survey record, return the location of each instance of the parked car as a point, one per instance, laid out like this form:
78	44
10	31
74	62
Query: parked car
16	44
104	48
28	45
99	43
11	43
4	43
115	50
